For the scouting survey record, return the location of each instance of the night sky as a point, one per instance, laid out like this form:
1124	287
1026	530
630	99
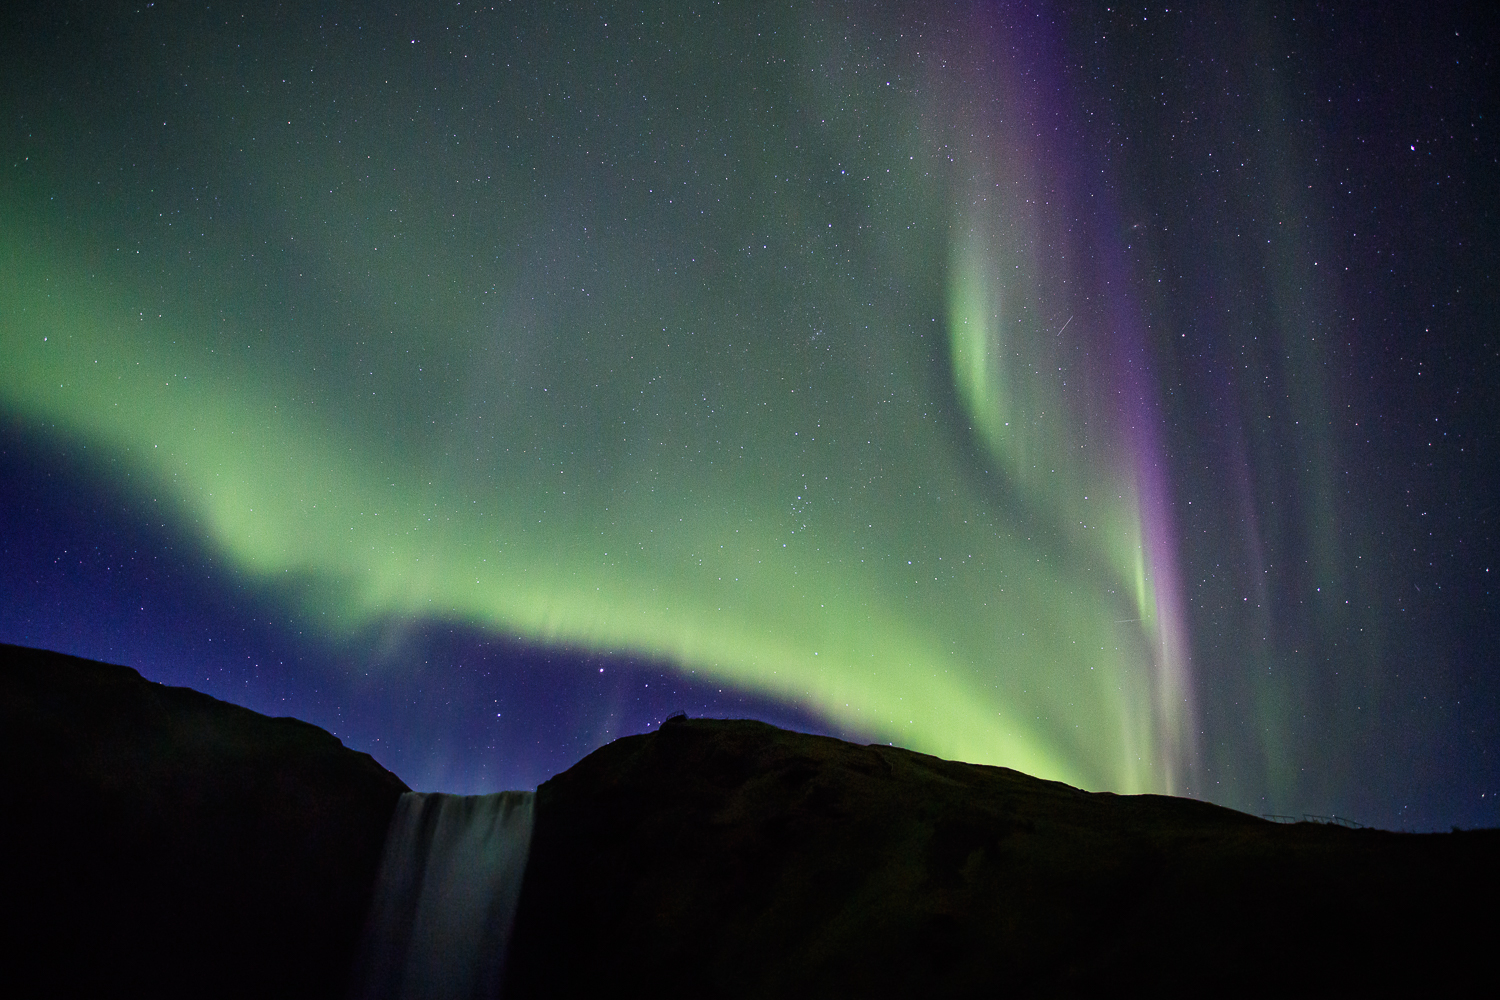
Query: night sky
1106	393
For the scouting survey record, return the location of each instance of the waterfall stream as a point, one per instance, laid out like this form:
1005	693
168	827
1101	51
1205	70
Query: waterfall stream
445	897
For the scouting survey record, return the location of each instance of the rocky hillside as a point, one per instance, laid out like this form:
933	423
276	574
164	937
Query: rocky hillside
162	843
717	858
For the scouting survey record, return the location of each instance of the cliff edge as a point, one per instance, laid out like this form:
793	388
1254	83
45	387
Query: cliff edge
160	842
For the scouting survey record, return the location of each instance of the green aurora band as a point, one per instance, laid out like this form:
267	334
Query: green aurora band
813	400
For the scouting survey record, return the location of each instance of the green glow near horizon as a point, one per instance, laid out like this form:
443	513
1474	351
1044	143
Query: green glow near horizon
720	580
718	445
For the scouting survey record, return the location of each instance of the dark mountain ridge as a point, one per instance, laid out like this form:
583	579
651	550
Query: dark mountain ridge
729	858
163	841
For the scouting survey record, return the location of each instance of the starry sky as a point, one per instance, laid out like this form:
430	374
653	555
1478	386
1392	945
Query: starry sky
1102	392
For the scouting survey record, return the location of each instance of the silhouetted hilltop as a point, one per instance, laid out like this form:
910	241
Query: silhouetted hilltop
161	842
717	858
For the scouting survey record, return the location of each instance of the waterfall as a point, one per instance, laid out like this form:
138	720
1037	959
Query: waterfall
445	897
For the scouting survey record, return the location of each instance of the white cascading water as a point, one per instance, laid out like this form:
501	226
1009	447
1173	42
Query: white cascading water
445	897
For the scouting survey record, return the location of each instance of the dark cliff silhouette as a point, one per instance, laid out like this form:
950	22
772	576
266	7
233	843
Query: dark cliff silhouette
165	843
729	858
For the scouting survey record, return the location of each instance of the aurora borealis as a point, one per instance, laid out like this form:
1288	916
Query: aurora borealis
1098	394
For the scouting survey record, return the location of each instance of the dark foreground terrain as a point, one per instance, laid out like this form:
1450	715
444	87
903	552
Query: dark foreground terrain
735	859
164	843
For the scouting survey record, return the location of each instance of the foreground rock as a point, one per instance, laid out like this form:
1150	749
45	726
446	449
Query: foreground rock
159	842
720	858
